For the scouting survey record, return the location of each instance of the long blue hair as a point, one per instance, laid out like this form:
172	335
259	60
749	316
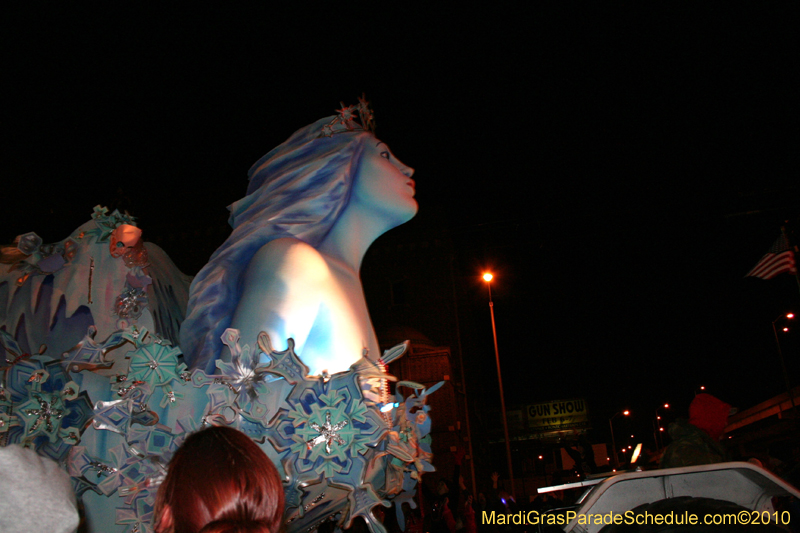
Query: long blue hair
297	190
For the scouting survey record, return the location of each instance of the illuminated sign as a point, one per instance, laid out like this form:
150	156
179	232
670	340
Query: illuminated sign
558	414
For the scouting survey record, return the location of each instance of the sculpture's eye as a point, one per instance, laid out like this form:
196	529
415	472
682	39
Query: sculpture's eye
385	155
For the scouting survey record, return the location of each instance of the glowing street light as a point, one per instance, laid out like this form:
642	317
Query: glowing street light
487	277
657	424
613	440
787	316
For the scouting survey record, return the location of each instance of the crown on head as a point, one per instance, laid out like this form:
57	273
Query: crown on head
359	117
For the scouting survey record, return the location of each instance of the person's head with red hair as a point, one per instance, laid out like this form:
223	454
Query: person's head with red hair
219	481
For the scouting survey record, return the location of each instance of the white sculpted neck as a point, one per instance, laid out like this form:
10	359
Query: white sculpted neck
350	238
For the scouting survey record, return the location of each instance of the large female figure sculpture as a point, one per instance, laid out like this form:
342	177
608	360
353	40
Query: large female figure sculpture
291	266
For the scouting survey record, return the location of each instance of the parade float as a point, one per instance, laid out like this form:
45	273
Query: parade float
113	356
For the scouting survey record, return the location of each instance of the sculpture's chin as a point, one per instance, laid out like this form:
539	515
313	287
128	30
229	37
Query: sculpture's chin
414	211
406	212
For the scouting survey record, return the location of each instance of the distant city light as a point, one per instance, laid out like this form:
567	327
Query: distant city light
626	412
487	277
789	315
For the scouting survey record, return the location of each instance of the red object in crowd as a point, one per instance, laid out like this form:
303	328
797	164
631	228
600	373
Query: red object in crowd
709	414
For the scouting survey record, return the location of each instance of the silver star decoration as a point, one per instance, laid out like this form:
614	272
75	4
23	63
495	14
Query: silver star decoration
327	433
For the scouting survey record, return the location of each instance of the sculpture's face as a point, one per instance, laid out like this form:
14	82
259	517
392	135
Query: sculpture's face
383	184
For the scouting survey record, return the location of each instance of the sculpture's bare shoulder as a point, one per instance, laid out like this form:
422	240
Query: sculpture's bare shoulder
282	290
290	261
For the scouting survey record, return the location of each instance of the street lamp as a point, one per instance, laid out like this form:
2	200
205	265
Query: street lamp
487	277
613	440
787	316
657	426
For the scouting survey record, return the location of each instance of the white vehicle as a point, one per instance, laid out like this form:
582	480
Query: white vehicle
733	494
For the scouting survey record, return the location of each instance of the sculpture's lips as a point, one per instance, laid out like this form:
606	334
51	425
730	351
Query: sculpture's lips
411	184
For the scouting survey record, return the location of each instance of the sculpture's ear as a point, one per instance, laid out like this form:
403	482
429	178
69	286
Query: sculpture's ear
164	522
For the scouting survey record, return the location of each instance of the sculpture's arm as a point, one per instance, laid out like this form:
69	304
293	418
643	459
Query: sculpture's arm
281	293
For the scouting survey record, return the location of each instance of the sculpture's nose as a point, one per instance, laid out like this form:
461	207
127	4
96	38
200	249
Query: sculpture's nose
406	170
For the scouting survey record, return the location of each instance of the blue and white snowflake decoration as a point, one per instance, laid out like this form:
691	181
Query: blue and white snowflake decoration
41	407
155	364
247	380
330	426
337	452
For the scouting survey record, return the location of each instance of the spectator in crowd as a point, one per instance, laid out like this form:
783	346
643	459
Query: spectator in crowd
697	441
220	481
37	495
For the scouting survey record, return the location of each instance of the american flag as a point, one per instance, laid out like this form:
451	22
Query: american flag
779	259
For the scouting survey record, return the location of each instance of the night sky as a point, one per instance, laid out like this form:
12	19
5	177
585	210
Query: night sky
621	166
